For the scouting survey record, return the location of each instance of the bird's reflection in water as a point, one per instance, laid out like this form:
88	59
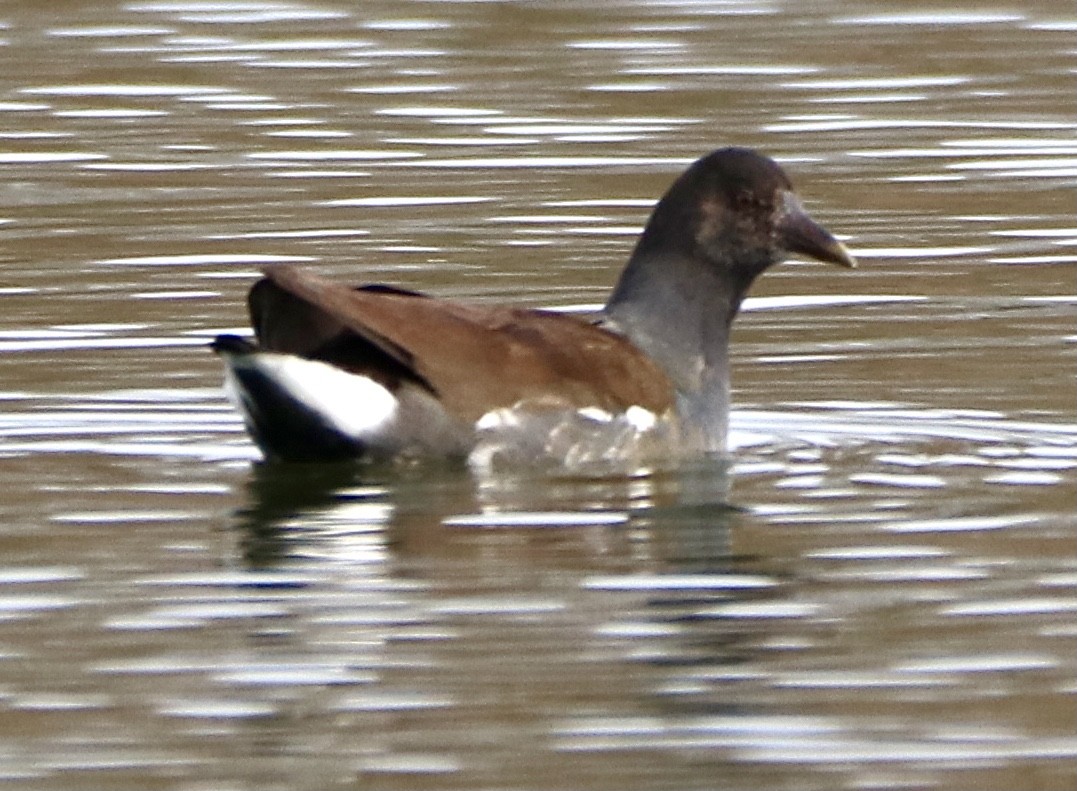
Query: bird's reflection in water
282	498
676	516
662	572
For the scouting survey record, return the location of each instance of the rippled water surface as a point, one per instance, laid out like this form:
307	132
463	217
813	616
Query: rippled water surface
880	590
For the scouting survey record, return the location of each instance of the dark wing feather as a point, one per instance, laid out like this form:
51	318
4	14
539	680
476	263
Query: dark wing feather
285	322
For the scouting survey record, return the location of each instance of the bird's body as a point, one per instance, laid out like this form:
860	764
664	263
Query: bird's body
341	372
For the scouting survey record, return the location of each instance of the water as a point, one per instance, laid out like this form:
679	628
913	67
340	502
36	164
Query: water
878	592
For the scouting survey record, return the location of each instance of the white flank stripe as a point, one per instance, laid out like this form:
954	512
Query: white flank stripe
355	405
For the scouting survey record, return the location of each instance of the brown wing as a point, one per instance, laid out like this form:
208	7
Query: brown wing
474	357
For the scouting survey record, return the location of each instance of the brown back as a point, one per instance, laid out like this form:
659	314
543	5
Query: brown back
473	357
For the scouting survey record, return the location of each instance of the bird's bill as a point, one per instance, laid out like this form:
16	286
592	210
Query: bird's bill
801	234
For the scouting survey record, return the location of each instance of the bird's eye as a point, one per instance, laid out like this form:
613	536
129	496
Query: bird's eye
750	200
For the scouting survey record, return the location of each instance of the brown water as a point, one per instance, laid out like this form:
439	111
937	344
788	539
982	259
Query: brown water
892	601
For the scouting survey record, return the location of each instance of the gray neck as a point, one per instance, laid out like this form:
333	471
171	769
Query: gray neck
679	311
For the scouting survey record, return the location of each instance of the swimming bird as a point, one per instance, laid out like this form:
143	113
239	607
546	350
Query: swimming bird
338	372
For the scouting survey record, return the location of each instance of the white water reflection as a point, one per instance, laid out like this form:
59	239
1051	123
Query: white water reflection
203	259
237	12
829	123
28	158
933	18
134	90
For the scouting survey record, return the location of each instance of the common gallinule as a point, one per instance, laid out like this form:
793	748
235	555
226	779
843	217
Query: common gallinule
372	371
